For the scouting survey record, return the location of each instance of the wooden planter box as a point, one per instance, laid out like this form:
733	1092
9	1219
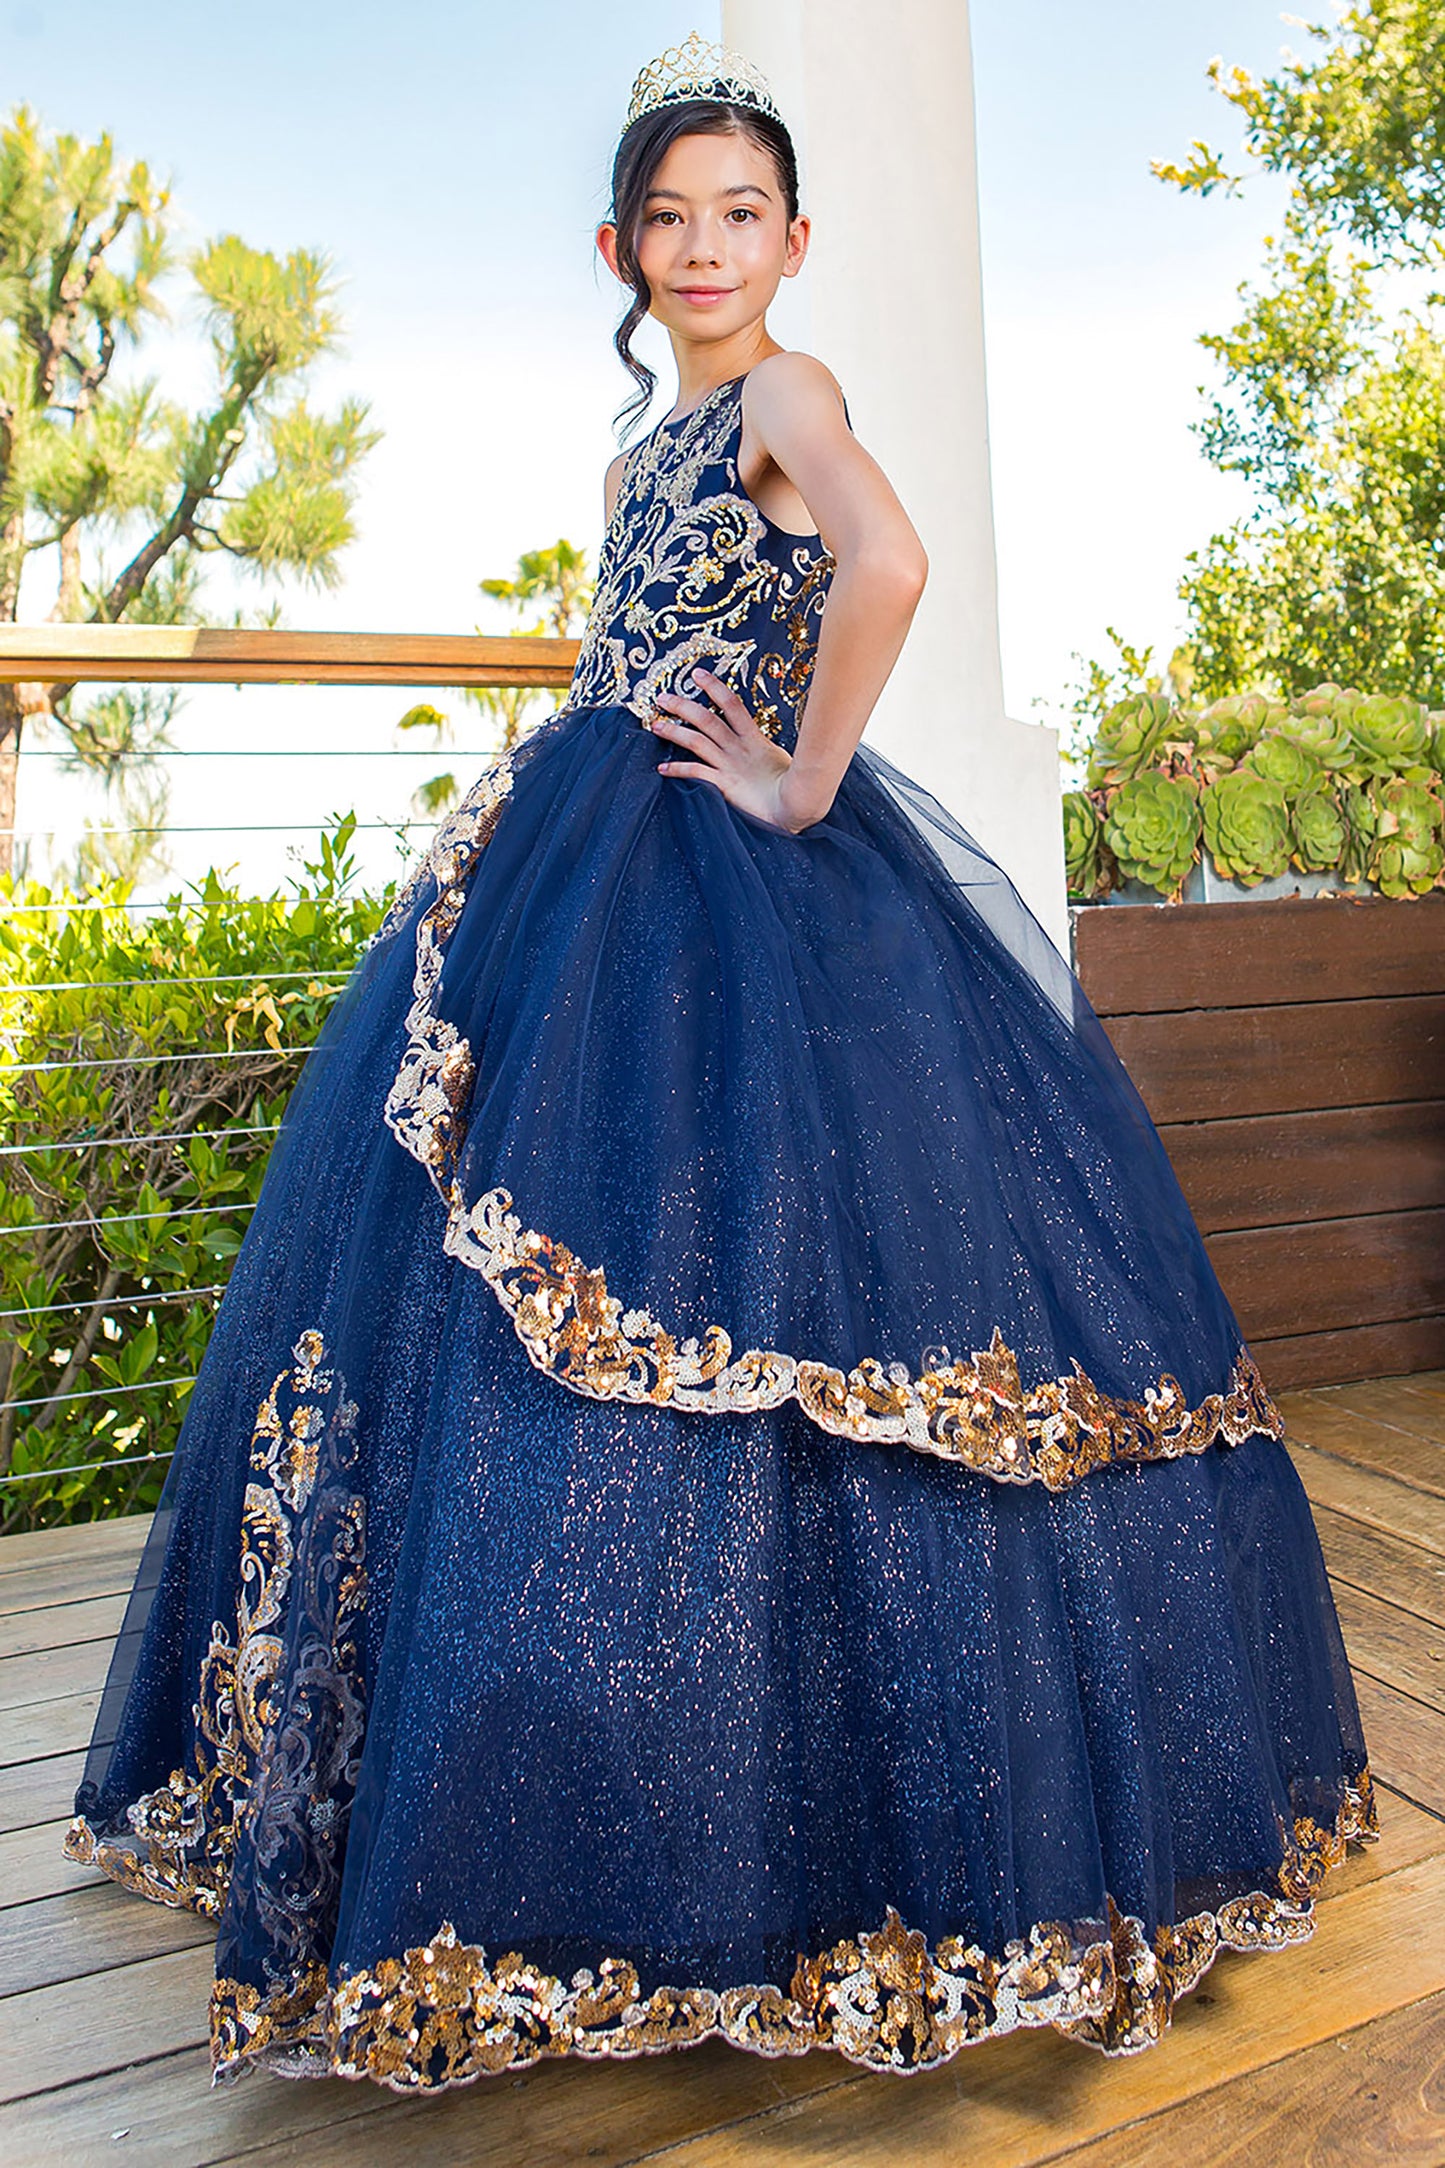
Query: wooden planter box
1293	1056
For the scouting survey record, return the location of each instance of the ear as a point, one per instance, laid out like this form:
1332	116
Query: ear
607	248
799	235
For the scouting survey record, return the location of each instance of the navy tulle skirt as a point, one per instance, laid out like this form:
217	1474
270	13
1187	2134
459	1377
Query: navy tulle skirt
724	1496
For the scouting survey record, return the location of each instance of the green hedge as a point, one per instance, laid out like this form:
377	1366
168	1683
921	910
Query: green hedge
100	1232
1332	781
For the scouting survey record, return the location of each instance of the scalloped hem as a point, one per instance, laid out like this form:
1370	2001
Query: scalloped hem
977	1413
443	2015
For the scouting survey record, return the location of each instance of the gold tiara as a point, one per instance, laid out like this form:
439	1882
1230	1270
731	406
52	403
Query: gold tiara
697	70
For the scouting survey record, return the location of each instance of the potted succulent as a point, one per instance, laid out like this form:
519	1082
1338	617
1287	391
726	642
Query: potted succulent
1283	1010
1336	791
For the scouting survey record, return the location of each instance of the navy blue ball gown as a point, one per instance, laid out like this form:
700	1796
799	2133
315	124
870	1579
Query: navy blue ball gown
724	1496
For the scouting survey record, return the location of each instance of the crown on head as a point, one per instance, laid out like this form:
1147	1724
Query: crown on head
695	69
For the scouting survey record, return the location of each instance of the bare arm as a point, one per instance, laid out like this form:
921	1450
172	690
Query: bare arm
881	567
611	484
795	411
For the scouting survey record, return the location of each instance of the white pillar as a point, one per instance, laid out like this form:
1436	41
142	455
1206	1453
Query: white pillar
878	97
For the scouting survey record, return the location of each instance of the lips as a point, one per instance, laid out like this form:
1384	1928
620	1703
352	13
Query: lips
703	293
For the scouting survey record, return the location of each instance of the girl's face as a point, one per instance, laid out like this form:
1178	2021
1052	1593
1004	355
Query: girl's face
715	237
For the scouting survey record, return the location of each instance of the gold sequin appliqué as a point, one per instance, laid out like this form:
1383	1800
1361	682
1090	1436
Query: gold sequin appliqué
444	2013
685	577
977	1413
264	1762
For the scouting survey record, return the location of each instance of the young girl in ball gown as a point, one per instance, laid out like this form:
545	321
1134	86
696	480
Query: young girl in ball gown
724	1497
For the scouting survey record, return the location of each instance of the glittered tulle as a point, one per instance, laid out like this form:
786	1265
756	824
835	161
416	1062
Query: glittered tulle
422	1636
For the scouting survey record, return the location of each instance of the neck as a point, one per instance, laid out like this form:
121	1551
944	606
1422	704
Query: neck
700	369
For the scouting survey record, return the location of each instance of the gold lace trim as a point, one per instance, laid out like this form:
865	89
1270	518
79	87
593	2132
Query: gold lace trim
445	2014
276	1747
976	1413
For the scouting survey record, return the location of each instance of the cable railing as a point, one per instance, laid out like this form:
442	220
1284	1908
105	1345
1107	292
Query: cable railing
100	1345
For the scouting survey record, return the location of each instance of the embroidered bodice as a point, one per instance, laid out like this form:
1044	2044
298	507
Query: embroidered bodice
691	570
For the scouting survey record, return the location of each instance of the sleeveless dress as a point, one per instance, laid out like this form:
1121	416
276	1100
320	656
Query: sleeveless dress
724	1497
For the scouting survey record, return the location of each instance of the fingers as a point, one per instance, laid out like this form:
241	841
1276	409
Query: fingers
683	713
728	703
689	767
667	726
727	714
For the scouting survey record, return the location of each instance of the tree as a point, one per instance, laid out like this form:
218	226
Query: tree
1333	408
556	580
1359	127
127	491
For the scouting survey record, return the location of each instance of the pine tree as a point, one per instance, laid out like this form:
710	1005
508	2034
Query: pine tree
90	465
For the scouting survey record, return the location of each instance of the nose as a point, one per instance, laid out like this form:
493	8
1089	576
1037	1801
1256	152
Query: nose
704	248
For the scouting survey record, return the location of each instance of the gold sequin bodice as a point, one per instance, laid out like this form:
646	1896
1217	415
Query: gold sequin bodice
692	571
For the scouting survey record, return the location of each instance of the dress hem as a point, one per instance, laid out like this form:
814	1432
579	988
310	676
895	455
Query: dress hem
442	2015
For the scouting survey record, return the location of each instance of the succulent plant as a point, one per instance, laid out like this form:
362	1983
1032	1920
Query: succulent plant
1408	855
1127	738
1280	758
1362	820
1317	826
1152	828
1228	728
1334	778
1319	721
1246	827
1390	733
1083	845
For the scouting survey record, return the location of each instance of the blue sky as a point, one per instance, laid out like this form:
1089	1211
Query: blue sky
453	161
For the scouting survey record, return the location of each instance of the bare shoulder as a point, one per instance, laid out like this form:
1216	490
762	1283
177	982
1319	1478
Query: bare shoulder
790	389
612	482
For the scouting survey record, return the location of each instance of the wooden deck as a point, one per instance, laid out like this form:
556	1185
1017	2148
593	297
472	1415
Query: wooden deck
1329	2053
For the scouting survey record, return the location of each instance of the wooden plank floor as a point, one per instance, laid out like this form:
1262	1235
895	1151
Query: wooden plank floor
1332	2053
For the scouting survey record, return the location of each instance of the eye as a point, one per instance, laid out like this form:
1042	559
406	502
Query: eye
740	210
660	214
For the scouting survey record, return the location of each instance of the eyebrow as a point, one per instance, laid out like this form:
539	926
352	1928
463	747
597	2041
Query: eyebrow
740	188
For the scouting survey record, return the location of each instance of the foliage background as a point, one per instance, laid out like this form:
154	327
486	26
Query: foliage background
239	987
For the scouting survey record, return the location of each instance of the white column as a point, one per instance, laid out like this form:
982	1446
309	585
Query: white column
878	97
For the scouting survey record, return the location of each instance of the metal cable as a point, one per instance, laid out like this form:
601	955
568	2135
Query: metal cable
159	903
229	978
100	1392
159	1136
222	828
119	1302
287	752
83	1467
125	1219
148	1061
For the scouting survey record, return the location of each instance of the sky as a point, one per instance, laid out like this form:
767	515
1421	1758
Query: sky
452	162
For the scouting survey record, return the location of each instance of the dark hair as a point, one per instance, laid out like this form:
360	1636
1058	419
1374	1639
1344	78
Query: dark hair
639	154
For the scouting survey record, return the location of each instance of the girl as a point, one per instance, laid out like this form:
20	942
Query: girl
724	1496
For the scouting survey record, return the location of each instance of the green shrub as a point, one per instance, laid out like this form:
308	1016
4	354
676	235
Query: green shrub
108	1209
